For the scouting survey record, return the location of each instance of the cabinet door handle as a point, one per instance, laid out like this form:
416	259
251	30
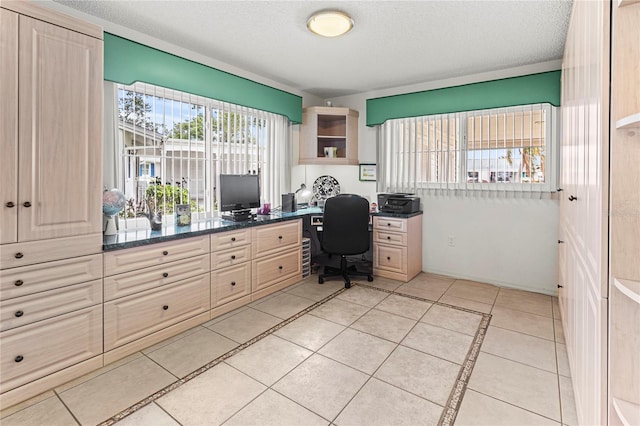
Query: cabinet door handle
233	283
19	358
19	255
233	238
280	267
572	198
165	307
560	241
388	238
279	237
388	257
165	274
233	256
10	204
560	286
26	204
18	314
18	283
388	224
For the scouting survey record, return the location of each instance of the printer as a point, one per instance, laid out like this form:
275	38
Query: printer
398	203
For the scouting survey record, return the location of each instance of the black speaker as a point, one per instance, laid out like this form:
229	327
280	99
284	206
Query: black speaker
288	202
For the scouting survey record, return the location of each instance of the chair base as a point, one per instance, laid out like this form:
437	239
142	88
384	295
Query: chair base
344	272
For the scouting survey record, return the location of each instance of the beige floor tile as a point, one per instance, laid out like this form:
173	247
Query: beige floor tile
453	319
314	291
385	325
522	322
518	384
363	296
568	402
530	350
192	352
384	283
284	305
310	332
7	411
466	303
439	342
322	385
245	325
224	316
379	403
432	293
419	373
264	299
106	395
273	409
481	410
361	351
559	331
171	340
98	372
212	397
340	311
269	359
51	411
480	292
533	303
563	360
404	306
149	415
432	281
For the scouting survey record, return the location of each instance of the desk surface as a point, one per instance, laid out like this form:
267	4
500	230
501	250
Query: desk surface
141	237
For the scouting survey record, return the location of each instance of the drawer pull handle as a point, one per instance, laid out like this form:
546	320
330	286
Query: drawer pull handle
388	238
19	255
19	314
18	283
233	283
233	238
19	358
572	198
280	267
388	257
560	241
233	256
165	252
560	286
165	307
10	204
26	204
165	274
279	237
388	224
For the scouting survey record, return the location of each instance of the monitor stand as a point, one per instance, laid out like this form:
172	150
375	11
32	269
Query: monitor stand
238	215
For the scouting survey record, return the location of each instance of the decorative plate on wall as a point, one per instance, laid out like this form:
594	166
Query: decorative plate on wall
325	187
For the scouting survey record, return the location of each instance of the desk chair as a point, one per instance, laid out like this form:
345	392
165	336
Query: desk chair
345	232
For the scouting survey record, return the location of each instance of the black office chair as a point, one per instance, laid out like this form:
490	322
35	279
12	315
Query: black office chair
345	232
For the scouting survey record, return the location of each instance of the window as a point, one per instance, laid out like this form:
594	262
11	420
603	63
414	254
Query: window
172	146
507	149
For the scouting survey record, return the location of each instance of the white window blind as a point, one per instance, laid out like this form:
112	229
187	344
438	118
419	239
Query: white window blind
172	146
499	151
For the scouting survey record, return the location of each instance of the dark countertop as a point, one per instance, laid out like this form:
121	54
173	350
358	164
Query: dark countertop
141	237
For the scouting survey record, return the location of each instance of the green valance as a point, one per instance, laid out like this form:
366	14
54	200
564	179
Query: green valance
528	89
126	62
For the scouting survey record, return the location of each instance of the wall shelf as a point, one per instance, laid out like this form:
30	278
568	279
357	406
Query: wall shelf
629	122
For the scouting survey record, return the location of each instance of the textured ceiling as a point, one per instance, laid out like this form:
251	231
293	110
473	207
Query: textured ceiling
393	43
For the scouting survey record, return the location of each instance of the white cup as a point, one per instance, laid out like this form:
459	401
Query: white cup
330	152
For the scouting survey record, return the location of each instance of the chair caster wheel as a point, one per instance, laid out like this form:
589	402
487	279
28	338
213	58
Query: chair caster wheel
320	280
369	278
347	284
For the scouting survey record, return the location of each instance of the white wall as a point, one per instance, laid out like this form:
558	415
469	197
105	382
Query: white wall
508	242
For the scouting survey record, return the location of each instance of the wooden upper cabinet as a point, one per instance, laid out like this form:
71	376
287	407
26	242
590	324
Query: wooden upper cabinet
329	135
9	126
60	132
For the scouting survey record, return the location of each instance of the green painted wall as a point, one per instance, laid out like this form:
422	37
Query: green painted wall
528	89
126	62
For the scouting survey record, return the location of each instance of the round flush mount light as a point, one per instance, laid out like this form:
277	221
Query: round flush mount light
330	23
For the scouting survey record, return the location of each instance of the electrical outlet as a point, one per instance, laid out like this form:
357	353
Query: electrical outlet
452	241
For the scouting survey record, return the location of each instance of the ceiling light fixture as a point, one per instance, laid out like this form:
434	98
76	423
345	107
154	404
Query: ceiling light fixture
330	23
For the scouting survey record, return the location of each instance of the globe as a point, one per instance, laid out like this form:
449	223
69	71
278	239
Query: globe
113	201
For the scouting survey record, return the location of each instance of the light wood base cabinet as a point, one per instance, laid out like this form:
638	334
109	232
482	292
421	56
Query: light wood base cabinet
397	247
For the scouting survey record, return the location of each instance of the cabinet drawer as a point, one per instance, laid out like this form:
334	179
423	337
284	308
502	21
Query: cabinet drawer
270	270
230	283
391	258
234	256
133	317
116	262
274	238
229	239
36	350
386	237
25	280
128	283
390	224
32	252
35	307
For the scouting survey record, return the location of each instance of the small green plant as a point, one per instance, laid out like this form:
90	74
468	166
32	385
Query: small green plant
163	198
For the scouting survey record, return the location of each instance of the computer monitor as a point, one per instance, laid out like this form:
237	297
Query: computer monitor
239	192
